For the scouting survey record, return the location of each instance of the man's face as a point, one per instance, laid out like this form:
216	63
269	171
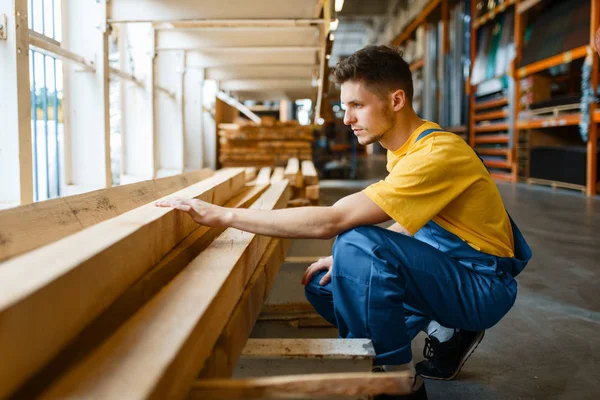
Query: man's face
369	116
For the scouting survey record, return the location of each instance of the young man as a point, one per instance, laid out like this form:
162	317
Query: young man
447	264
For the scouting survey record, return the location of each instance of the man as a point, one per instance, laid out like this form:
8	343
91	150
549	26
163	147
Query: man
446	266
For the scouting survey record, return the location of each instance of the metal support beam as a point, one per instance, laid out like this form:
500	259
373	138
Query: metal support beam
51	47
242	108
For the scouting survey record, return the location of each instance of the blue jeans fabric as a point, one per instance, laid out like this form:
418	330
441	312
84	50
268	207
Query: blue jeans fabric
387	286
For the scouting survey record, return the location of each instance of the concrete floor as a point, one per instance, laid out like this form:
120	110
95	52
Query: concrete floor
548	346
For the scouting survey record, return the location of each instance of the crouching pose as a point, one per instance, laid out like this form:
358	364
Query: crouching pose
446	266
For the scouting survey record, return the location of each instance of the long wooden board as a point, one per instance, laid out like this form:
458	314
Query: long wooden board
160	350
47	296
297	386
233	339
309	173
34	225
133	299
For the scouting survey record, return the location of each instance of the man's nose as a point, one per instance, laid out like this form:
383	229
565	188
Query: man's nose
348	118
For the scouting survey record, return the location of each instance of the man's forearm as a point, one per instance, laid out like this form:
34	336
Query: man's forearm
301	222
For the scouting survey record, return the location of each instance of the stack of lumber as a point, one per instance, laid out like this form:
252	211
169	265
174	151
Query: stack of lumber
104	295
264	145
302	177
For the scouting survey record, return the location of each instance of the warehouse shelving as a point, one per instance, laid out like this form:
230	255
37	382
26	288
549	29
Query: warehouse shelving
554	126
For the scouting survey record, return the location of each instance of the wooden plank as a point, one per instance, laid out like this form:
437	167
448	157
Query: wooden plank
293	173
264	176
304	386
309	173
278	175
309	348
31	226
160	350
250	173
312	192
230	344
133	299
42	304
556	184
553	61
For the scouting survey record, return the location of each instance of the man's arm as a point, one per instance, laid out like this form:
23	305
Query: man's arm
303	222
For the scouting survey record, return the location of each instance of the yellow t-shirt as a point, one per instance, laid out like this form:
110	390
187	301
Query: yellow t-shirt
440	178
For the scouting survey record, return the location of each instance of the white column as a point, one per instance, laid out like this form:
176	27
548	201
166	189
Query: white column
168	116
16	177
87	125
193	121
138	104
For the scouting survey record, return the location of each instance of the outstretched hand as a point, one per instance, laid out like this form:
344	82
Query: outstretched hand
202	212
323	264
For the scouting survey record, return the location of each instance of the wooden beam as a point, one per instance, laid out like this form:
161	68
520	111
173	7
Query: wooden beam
133	299
278	175
104	259
160	350
230	344
309	348
264	176
592	144
293	173
127	76
16	172
31	226
297	386
309	173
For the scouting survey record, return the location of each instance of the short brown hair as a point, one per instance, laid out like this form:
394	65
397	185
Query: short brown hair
381	68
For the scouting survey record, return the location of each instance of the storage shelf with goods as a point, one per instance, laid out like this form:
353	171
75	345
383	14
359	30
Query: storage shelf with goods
433	43
556	75
490	85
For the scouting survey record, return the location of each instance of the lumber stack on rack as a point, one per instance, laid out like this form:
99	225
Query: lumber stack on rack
84	313
264	145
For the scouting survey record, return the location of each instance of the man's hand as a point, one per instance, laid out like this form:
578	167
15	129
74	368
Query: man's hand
202	212
323	264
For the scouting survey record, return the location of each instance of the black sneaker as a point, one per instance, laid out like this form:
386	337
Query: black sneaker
420	394
444	360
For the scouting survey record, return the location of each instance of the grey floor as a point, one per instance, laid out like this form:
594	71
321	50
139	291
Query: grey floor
548	346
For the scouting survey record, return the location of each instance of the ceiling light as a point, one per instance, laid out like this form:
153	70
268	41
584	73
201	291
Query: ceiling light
339	4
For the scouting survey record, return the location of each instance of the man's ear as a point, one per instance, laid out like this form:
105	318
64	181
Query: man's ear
398	99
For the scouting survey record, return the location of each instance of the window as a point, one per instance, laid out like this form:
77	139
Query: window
46	103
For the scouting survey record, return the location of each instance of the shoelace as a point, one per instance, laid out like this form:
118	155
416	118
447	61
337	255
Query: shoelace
429	349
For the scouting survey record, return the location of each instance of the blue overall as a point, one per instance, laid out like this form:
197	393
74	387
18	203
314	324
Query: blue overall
387	286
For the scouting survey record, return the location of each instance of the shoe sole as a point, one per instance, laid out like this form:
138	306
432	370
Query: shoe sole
462	361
